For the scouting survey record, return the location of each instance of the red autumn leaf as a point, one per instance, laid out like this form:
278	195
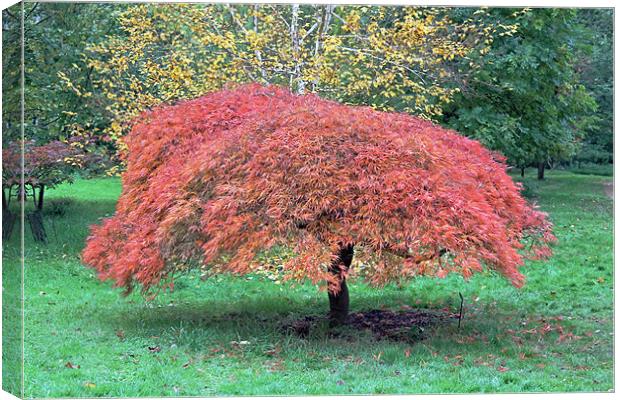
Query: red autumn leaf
72	366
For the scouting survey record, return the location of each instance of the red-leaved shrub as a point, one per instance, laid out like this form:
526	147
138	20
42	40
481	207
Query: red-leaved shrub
216	180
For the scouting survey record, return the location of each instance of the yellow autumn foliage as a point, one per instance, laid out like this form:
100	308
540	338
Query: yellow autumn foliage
385	57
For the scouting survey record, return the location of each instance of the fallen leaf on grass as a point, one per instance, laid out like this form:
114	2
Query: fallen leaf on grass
120	334
479	361
274	366
567	336
466	339
272	352
503	369
90	385
234	343
457	360
154	349
70	365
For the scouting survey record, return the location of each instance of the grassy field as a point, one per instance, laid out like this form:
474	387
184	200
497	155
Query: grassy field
222	336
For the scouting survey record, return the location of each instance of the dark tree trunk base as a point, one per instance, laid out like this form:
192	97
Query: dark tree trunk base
8	221
35	220
541	171
339	305
339	302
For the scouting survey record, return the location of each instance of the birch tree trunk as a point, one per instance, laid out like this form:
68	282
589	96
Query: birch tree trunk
298	84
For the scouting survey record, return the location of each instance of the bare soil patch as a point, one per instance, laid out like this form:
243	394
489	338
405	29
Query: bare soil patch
409	326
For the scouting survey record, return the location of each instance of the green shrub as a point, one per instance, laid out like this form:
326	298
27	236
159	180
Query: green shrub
594	169
58	206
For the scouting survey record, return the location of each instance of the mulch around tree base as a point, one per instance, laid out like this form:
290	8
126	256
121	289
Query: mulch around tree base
409	326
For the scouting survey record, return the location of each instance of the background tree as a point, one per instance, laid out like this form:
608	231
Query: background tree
11	74
215	181
403	58
527	100
386	57
595	68
45	166
55	37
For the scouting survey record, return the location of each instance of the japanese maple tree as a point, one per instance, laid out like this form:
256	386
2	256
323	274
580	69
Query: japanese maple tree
215	181
45	166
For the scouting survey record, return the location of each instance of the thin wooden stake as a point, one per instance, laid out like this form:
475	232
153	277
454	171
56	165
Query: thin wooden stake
461	310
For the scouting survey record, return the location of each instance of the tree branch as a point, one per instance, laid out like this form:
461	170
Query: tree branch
365	52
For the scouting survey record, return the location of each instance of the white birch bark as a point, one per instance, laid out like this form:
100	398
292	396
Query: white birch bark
297	78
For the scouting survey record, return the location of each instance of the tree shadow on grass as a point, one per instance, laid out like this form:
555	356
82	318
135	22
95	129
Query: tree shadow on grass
68	227
278	317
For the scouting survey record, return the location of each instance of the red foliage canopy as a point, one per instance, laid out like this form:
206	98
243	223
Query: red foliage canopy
216	180
49	164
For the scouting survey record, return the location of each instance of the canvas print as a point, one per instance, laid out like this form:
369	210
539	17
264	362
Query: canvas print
213	199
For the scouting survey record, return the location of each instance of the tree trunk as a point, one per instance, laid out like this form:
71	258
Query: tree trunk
541	170
8	218
299	85
41	193
339	302
522	172
36	226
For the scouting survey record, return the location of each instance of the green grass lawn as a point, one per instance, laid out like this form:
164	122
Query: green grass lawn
555	334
